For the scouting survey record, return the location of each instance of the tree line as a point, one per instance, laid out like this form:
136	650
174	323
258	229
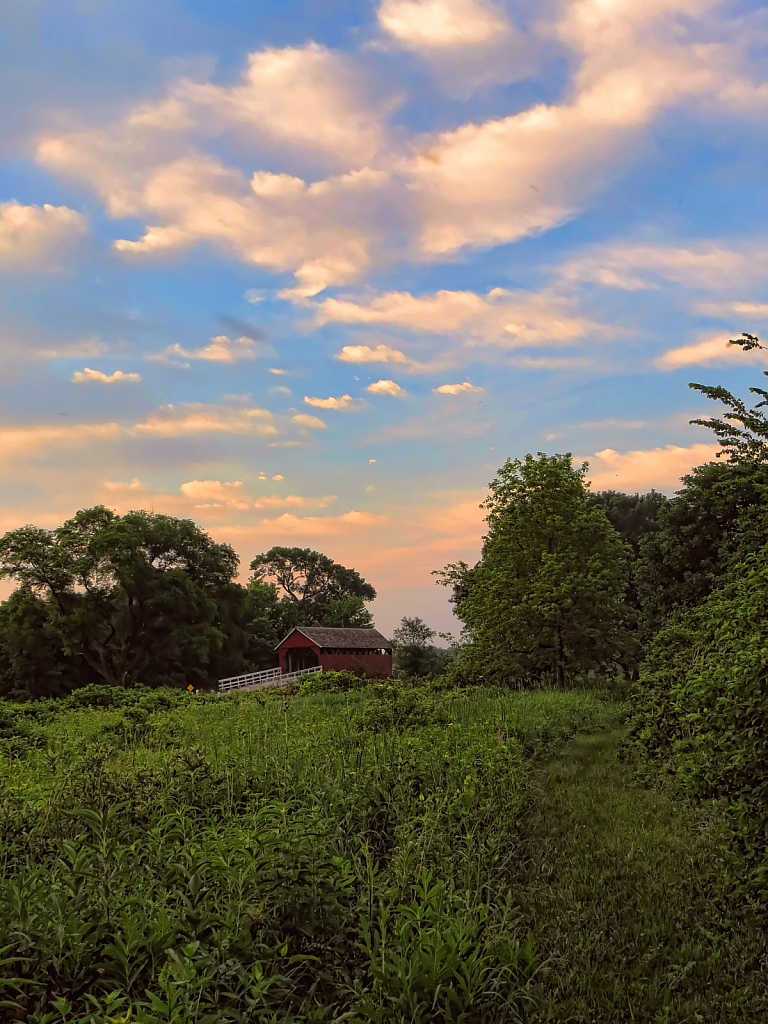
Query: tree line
151	599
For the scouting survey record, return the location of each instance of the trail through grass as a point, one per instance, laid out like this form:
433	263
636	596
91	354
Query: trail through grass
619	885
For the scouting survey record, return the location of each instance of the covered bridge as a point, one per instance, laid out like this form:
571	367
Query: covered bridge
335	649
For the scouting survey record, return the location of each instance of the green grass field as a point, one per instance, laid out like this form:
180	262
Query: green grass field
384	855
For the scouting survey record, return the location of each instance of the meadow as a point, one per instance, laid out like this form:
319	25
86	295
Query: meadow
395	853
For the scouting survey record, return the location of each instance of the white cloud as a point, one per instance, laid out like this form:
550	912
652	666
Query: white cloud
280	391
551	363
181	421
277	476
381	354
345	402
457	389
294	501
322	525
467	43
658	468
385	387
312	422
277	371
221	350
635	266
214	490
24	441
121	485
87	374
76	350
759	310
440	24
502	317
31	237
708	350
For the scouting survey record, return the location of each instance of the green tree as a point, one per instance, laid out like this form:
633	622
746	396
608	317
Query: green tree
717	517
312	589
545	599
32	658
633	516
414	652
136	598
742	433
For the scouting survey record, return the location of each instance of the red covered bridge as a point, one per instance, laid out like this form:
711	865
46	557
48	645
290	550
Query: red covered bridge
335	649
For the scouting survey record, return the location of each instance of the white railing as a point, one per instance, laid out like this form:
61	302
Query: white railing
268	677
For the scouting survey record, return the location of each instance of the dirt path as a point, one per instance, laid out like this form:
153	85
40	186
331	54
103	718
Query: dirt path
619	887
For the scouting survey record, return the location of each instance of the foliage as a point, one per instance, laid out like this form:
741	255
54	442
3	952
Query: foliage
311	589
703	706
633	516
267	857
134	598
414	654
716	518
545	599
742	433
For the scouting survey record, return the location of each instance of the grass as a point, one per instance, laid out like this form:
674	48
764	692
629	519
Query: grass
620	886
336	856
380	856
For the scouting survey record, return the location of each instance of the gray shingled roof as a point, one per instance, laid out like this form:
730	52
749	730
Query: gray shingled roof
337	637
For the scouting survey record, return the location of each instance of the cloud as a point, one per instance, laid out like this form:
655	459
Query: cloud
294	501
184	420
456	389
381	354
230	494
83	349
322	525
708	350
277	371
26	441
440	24
345	402
633	267
759	310
121	485
221	350
32	237
277	476
385	387
502	317
467	43
82	376
312	422
306	103
280	391
551	363
658	468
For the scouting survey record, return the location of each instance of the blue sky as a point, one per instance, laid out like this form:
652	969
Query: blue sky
309	272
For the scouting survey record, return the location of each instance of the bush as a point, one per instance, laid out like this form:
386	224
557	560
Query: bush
703	705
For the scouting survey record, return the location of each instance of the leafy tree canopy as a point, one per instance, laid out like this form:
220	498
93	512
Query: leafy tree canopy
134	598
545	599
309	589
414	653
742	432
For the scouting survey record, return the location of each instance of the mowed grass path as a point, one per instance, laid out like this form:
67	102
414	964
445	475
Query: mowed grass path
619	886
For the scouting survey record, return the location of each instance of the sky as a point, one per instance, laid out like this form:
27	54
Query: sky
308	273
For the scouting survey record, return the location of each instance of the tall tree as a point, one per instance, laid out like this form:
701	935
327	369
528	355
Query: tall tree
136	598
742	432
312	589
414	652
545	599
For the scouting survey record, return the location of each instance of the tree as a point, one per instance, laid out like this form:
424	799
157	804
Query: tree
716	518
312	589
545	599
135	598
742	432
414	653
633	516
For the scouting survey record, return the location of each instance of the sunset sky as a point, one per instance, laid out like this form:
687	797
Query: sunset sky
309	272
